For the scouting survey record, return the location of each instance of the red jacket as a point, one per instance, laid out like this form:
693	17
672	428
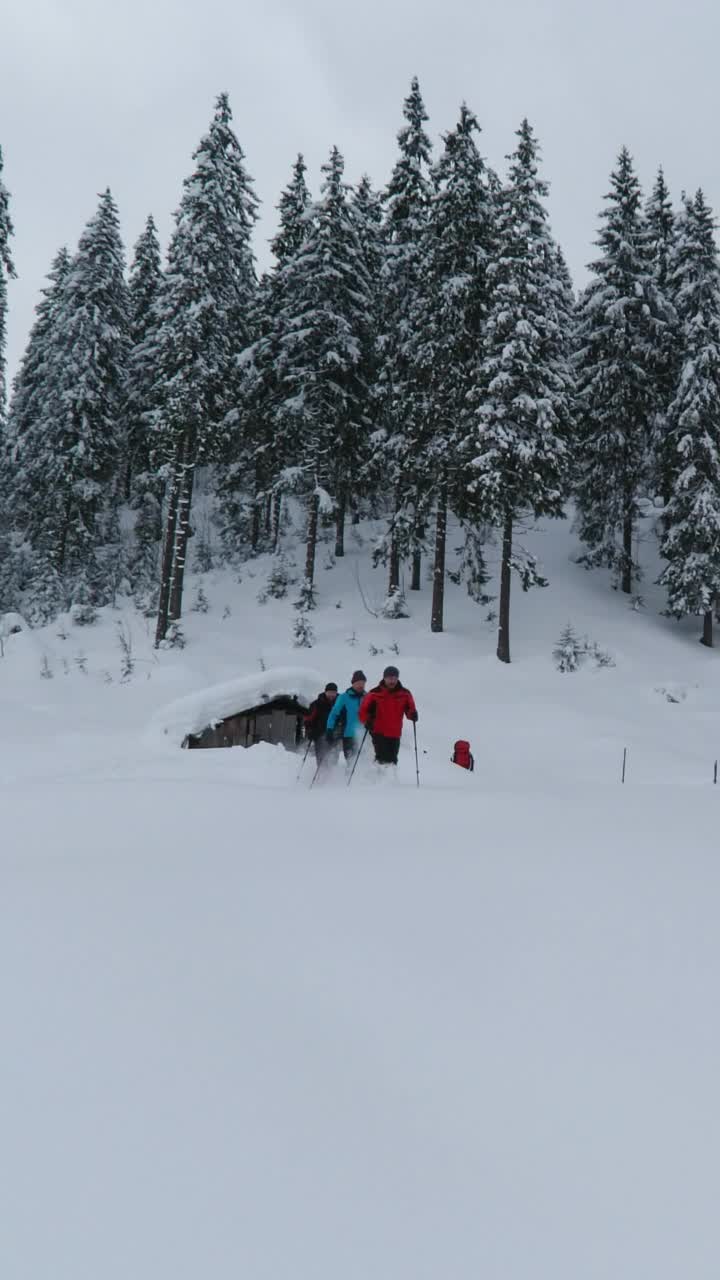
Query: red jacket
382	709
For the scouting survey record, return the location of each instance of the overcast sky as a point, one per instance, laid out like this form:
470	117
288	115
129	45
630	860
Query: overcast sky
94	94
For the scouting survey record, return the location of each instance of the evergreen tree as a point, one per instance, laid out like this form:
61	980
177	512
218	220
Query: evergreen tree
324	325
293	209
660	230
254	469
144	291
407	204
620	321
65	429
691	524
524	380
22	466
205	313
83	414
6	268
452	306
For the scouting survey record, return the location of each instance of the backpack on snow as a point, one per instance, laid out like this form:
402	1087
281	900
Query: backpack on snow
462	755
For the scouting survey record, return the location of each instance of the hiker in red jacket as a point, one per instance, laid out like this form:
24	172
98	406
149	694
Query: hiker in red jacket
382	711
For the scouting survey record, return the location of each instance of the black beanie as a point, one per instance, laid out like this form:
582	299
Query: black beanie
331	687
391	671
358	675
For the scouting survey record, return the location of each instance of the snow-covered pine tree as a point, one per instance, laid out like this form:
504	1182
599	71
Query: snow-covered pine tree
366	207
205	313
323	326
293	209
620	320
407	202
84	418
667	355
252	482
6	268
66	413
691	523
451	307
524	380
24	454
143	293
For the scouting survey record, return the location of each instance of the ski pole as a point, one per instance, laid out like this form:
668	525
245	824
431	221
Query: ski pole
417	766
362	744
302	766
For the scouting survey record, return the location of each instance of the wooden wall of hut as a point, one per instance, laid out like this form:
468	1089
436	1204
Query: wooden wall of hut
278	721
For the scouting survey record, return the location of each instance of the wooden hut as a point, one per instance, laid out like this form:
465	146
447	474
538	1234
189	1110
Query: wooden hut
265	707
276	720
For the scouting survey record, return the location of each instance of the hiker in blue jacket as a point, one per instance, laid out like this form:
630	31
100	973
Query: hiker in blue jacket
344	717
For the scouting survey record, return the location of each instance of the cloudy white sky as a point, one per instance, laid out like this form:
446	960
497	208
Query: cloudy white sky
94	94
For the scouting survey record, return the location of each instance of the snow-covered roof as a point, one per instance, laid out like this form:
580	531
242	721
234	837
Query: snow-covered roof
208	706
11	622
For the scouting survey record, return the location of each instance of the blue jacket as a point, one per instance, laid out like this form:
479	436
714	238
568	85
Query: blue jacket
349	703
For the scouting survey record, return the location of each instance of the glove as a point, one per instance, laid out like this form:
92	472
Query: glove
413	715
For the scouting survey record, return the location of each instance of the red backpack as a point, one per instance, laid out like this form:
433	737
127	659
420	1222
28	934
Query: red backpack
462	755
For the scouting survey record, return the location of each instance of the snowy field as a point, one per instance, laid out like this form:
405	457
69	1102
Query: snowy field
255	1030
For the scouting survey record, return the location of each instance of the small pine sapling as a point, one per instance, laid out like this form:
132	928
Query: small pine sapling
306	597
280	578
200	603
569	650
395	605
82	610
303	634
127	662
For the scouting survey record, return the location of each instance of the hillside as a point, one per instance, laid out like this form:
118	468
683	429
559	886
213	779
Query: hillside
462	1031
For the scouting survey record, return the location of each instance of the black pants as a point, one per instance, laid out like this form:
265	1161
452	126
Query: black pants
349	748
386	749
322	747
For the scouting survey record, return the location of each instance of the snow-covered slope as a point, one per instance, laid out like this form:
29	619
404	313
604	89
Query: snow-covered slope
465	1030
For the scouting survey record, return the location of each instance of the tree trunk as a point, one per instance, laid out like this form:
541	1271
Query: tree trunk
438	595
312	532
276	512
340	524
168	547
394	566
707	635
182	533
255	527
268	515
503	647
627	555
415	583
64	531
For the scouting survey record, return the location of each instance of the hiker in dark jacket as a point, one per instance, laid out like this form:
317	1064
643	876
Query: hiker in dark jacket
317	718
382	710
345	715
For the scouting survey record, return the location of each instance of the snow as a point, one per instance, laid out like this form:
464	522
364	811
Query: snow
197	711
464	1030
